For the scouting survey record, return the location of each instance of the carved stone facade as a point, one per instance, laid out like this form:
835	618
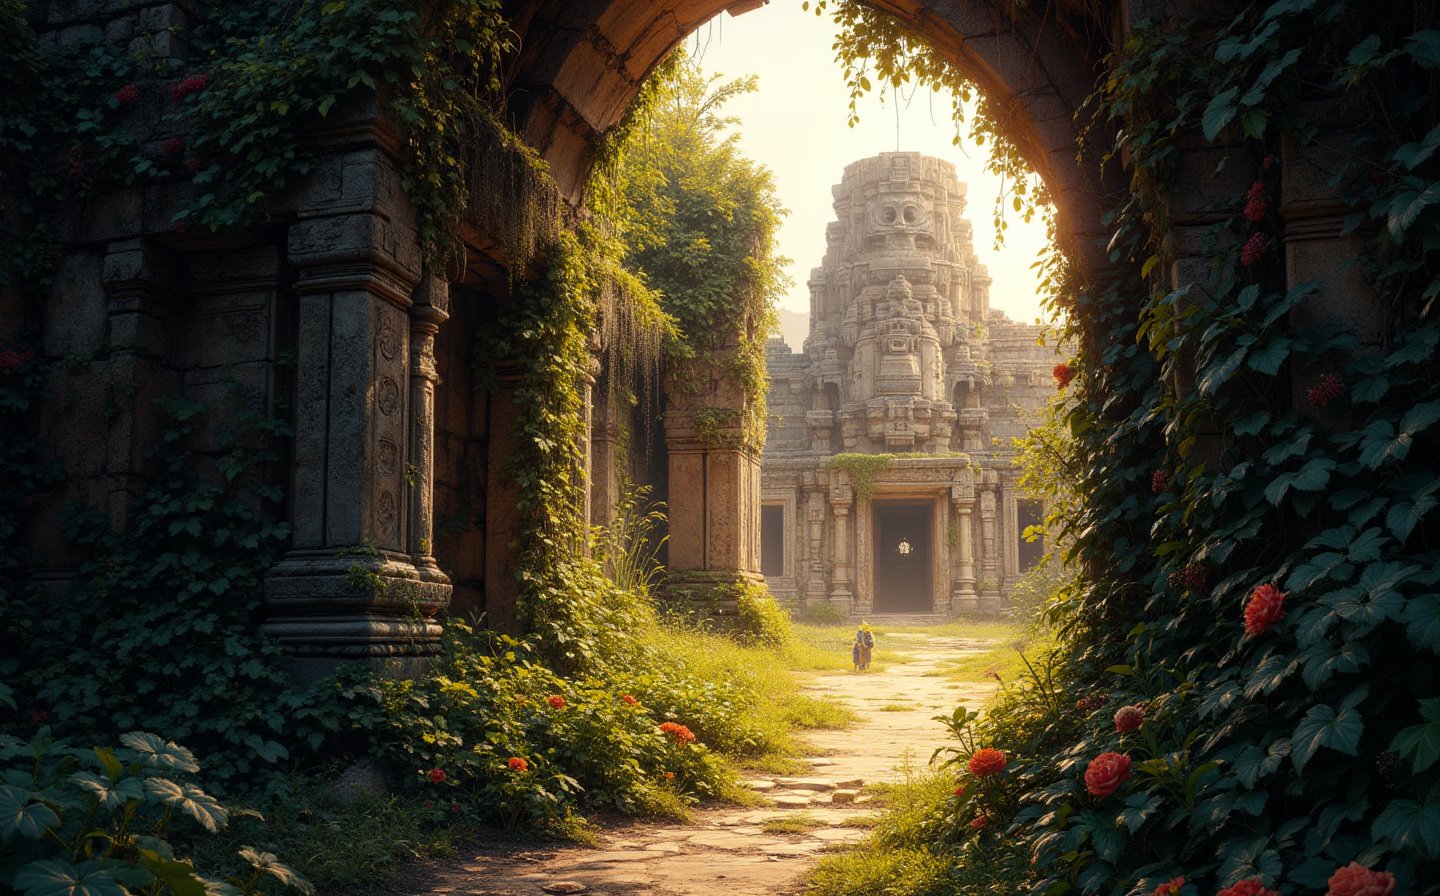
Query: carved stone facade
905	359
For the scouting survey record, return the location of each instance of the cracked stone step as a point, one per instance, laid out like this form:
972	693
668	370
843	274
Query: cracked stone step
819	784
759	785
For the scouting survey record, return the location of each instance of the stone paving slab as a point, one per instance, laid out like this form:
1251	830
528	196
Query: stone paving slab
726	850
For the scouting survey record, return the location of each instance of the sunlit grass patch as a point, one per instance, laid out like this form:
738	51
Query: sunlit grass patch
1006	660
792	823
898	707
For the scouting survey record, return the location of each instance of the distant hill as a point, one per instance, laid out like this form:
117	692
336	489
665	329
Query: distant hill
794	326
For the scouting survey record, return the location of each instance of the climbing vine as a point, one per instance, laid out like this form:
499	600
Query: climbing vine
1245	699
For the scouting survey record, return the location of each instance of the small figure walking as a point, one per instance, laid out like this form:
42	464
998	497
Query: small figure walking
864	643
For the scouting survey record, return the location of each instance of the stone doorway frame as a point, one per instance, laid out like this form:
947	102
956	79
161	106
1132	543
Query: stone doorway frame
937	496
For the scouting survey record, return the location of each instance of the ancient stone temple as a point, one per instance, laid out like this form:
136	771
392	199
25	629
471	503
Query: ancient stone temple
888	479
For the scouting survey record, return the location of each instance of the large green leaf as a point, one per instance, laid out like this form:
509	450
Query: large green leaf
266	862
56	877
179	876
21	814
1422	742
191	800
1218	113
1407	824
110	794
157	752
1324	727
1422	621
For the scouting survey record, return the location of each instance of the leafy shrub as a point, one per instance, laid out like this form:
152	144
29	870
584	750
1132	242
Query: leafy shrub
95	821
759	618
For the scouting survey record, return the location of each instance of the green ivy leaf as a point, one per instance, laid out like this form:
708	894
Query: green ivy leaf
1407	824
1324	727
1219	112
1424	48
1422	621
1422	742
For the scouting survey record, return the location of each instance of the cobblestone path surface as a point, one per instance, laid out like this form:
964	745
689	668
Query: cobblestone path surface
726	850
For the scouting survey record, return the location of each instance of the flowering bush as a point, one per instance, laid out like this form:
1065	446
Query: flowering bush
1063	374
1327	389
1169	888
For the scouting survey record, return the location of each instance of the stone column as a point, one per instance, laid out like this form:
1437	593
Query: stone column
842	595
140	284
989	565
605	458
962	494
940	581
349	588
864	557
430	309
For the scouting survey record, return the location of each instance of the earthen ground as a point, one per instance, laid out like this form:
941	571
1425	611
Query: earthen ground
726	850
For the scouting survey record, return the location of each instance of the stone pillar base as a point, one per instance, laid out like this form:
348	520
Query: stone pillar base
991	604
707	595
964	603
375	607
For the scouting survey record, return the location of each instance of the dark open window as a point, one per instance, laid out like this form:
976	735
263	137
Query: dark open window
1027	514
772	540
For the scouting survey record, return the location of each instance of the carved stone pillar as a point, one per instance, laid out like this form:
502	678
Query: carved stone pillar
430	309
962	495
864	557
842	595
940	564
989	561
349	588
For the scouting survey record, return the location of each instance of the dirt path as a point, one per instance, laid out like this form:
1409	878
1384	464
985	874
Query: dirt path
727	850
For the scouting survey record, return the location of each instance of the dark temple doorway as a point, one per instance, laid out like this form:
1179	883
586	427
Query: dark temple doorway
904	547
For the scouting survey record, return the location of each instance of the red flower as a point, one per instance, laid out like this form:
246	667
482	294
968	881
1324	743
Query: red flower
1254	249
556	701
1265	608
10	361
436	775
173	147
517	764
127	95
1063	374
192	84
1106	772
986	762
629	700
1357	880
1169	888
1326	389
1159	481
1092	702
669	776
1255	204
1247	888
682	734
1129	718
977	822
1191	578
960	791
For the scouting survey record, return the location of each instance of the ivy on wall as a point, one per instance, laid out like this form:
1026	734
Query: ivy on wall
1245	698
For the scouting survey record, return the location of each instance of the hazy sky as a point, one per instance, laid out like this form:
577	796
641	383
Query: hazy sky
795	126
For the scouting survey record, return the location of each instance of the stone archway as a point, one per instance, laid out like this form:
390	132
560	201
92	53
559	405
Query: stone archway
582	65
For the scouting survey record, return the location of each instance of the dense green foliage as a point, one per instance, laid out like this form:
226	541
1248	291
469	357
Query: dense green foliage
96	821
698	224
1225	435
